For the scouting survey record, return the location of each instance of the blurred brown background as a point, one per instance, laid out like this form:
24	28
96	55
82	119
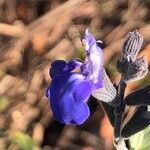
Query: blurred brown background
33	33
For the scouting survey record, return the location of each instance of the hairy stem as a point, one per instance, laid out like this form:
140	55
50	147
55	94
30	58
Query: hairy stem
119	110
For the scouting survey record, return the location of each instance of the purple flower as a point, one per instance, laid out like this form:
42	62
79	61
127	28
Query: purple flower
69	91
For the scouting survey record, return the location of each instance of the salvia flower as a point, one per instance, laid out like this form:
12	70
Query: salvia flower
130	66
126	120
69	91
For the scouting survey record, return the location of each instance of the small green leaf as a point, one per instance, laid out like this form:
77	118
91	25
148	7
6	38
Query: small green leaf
80	53
112	69
140	141
145	81
2	133
24	141
3	103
